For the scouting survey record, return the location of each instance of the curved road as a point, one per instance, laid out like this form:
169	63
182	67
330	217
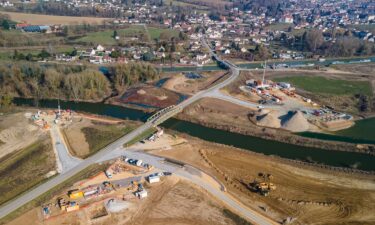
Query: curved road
34	193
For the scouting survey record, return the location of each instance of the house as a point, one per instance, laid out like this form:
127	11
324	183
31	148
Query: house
100	48
226	51
201	56
184	60
286	19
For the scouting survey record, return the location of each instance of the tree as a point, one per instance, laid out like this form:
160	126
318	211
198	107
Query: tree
261	52
5	25
6	101
73	53
115	34
44	54
115	54
29	57
182	36
314	39
148	56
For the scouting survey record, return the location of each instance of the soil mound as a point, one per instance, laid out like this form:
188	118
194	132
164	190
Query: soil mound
296	123
270	119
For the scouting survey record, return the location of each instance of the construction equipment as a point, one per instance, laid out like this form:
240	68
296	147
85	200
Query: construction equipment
265	187
75	194
133	186
62	203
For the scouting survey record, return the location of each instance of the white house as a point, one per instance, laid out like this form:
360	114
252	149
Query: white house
100	48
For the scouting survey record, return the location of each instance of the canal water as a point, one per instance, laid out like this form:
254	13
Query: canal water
363	132
267	147
291	63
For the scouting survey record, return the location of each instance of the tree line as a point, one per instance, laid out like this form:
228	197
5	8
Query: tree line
338	45
69	82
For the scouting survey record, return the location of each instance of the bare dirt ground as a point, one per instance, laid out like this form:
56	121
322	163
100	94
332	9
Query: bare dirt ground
39	19
17	132
344	103
179	83
149	96
350	76
76	138
312	197
368	68
170	202
164	142
235	118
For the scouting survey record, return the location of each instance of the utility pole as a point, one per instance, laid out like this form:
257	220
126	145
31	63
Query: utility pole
264	72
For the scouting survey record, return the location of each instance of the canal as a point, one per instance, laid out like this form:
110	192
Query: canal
255	144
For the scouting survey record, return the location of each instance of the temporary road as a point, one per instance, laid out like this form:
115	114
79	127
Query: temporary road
36	192
65	160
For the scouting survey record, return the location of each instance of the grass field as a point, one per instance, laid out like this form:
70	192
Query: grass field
25	169
100	136
38	201
279	26
142	136
323	85
39	19
106	37
369	27
161	33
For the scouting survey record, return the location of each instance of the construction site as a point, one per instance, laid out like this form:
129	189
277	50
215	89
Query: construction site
113	190
278	105
131	192
288	193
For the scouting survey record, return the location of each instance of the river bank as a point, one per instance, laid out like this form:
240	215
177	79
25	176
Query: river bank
289	151
235	119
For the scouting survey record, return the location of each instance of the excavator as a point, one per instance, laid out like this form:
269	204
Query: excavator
265	187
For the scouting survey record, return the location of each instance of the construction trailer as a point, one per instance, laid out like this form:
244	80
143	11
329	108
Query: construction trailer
153	179
141	194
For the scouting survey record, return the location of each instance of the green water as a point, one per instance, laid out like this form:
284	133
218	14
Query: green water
363	132
267	147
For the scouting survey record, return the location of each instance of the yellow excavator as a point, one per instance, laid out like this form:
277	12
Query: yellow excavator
265	187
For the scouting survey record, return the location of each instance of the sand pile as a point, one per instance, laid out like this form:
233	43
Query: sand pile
141	92
268	119
296	123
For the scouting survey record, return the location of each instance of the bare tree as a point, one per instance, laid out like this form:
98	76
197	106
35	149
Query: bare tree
314	39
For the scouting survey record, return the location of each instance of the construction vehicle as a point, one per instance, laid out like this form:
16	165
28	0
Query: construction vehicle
62	203
133	186
75	194
265	187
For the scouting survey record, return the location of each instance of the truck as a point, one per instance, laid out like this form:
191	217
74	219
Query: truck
139	162
108	174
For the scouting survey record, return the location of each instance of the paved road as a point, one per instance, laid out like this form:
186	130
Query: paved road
219	95
66	160
34	193
195	176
